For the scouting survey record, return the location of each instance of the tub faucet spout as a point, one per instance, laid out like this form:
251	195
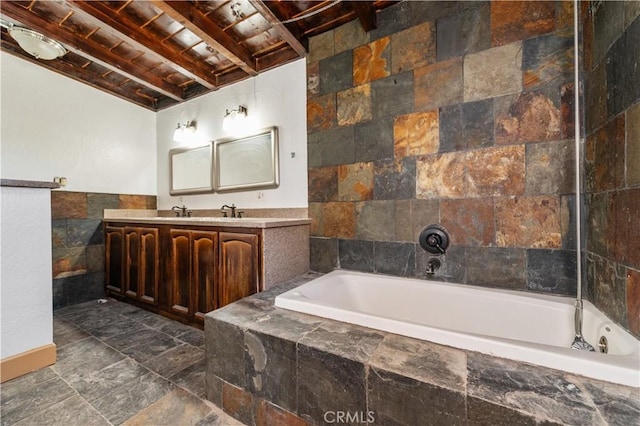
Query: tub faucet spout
432	266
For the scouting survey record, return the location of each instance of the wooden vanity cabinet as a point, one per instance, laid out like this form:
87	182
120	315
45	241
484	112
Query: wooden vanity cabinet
114	259
193	273
141	263
239	267
181	271
132	262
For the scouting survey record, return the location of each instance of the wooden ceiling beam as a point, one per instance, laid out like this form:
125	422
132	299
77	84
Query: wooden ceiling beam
283	11
142	41
91	50
330	24
277	57
366	14
286	35
198	23
83	75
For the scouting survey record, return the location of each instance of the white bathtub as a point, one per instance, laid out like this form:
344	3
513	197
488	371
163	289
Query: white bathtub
537	329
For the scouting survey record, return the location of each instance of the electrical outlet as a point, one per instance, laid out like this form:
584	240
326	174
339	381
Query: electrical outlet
60	180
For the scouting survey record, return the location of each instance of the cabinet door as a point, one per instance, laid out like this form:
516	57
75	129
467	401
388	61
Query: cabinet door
149	265
204	253
132	261
239	266
141	263
114	258
180	272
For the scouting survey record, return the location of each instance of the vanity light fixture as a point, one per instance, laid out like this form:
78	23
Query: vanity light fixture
235	119
185	132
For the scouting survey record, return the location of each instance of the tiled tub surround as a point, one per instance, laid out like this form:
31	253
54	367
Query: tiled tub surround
78	241
267	365
612	159
503	323
456	113
462	114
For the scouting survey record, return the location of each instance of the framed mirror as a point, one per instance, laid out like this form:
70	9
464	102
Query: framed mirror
191	170
248	162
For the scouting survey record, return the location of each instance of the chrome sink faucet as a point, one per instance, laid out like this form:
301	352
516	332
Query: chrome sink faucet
233	211
181	211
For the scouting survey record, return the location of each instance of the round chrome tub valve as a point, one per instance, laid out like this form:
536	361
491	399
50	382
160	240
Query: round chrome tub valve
434	239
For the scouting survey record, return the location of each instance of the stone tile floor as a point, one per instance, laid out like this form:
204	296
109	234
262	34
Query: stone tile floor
117	364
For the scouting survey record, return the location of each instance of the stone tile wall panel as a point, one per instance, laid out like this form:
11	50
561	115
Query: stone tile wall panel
413	48
395	179
371	140
416	134
355	182
336	72
468	31
323	184
493	72
356	255
479	96
354	105
515	20
467	126
547	58
321	112
77	241
527	117
438	84
372	61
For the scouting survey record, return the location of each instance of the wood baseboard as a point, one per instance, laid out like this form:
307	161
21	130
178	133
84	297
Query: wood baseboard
26	362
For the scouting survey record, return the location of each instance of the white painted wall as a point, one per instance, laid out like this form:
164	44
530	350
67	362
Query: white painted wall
274	98
26	316
55	126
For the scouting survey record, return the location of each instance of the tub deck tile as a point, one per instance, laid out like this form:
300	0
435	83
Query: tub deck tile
329	383
225	352
287	325
422	361
395	399
345	340
486	413
270	365
551	394
618	405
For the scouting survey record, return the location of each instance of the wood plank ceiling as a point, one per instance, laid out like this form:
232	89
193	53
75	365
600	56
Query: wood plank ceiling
159	53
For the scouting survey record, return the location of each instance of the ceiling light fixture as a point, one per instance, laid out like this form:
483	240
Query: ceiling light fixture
235	119
185	132
36	44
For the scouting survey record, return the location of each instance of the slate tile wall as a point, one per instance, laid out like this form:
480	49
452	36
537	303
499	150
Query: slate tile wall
459	113
78	242
612	159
